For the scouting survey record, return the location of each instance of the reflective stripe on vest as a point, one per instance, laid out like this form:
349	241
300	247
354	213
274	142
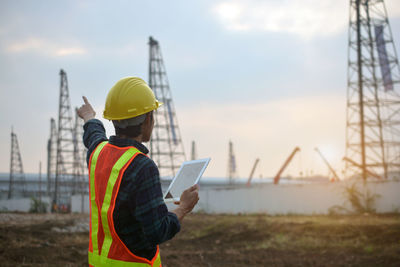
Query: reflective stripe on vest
100	256
98	260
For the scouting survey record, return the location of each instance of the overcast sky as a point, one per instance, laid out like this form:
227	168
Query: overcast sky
268	75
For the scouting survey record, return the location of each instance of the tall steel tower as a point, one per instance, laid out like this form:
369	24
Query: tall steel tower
51	158
231	163
166	147
373	100
64	180
80	169
17	176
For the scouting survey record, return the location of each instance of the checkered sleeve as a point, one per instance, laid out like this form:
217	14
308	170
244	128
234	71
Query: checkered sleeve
94	133
159	225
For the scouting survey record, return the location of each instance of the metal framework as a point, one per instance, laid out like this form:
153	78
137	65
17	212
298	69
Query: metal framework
51	158
373	100
65	174
80	151
166	147
232	173
17	177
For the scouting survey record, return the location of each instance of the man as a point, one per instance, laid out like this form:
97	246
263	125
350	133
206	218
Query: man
129	218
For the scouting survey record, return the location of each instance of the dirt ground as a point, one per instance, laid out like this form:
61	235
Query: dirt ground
217	240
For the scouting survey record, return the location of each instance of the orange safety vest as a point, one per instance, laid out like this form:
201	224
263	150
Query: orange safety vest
106	167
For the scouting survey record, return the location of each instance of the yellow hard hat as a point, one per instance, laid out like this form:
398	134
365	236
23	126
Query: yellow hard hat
128	98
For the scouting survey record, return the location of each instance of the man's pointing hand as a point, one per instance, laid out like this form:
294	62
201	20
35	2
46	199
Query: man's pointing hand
86	112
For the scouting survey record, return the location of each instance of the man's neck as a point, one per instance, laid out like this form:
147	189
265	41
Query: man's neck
137	138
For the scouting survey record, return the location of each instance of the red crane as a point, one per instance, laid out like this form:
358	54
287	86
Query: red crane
252	171
278	176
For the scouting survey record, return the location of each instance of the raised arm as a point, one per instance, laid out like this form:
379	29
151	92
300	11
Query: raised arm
94	132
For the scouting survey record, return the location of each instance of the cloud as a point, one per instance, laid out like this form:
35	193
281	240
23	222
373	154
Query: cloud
306	18
42	46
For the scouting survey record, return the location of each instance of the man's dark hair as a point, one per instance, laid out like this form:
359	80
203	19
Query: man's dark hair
131	131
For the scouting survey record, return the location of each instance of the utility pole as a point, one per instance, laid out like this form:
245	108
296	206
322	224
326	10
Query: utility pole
166	147
231	163
51	158
40	182
373	99
193	154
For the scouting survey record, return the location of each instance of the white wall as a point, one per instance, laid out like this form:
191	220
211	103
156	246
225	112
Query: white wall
295	199
21	204
283	199
76	203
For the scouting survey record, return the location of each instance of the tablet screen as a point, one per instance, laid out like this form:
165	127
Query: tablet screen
188	175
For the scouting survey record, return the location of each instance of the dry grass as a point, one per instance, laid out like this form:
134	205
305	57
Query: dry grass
222	240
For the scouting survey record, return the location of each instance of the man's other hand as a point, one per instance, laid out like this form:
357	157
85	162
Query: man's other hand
86	112
189	198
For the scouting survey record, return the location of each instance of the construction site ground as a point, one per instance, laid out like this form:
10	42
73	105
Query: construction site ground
217	240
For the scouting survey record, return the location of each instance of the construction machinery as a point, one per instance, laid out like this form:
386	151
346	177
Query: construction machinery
252	172
336	177
288	160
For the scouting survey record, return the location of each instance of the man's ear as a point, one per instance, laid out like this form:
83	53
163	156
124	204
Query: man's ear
150	116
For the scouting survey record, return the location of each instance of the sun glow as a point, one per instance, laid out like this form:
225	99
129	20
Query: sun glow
330	152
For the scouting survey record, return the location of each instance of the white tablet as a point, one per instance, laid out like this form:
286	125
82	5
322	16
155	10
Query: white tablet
189	174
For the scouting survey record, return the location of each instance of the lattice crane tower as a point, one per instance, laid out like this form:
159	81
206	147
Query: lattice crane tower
166	147
80	151
17	176
373	100
64	178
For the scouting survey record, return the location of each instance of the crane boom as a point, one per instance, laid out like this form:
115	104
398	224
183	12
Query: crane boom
252	171
327	164
278	175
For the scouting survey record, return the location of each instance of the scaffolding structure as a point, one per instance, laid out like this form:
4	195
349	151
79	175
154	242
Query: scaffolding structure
232	172
373	100
80	169
17	177
65	174
166	147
